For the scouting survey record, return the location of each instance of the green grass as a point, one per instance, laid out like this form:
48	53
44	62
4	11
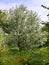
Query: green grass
38	56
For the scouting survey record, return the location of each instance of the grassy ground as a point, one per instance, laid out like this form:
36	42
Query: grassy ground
38	56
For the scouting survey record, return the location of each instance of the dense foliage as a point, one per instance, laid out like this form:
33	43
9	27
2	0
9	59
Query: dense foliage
38	56
22	28
22	38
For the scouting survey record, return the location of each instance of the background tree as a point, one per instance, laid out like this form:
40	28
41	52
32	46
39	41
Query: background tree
46	27
3	18
45	8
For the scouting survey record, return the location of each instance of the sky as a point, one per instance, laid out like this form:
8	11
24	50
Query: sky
34	5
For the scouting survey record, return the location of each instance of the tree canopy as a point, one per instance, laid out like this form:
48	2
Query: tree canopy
21	28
